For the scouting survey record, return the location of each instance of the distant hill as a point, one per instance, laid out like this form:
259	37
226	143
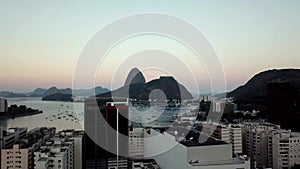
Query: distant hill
40	92
136	88
4	93
54	90
77	92
58	97
257	85
8	94
36	93
55	94
90	92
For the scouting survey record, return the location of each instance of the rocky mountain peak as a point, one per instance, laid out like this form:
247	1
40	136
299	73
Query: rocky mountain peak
135	76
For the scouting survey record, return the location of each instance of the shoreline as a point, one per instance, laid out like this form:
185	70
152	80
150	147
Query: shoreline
7	116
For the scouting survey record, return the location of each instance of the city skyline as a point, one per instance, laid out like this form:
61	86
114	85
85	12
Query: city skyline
41	42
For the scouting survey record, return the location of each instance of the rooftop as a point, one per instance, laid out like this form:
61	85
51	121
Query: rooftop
194	137
220	162
11	131
295	134
209	141
145	163
42	159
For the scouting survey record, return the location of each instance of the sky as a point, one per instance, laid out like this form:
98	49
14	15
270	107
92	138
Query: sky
41	41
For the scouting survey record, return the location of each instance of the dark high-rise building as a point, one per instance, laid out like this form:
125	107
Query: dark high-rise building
284	104
106	133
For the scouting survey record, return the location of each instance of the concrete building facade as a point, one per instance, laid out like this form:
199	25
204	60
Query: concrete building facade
284	149
235	132
268	145
11	136
58	153
255	141
3	105
229	133
16	157
136	143
20	155
77	137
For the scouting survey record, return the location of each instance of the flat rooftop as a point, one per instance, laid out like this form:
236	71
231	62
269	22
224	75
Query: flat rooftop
206	142
197	138
234	161
42	159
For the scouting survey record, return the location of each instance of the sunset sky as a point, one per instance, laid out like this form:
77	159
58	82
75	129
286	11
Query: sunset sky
40	41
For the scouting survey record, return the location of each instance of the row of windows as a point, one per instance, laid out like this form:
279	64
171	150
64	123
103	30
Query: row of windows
18	166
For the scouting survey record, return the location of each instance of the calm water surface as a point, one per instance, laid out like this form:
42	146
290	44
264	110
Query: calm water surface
68	115
62	115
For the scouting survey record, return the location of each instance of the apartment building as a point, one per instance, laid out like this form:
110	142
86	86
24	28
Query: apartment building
16	157
11	136
255	141
3	105
136	143
77	137
283	149
20	155
57	153
235	133
229	133
268	145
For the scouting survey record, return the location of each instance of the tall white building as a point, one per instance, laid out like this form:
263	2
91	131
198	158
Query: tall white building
20	155
136	143
77	137
284	149
16	157
58	153
255	141
268	145
229	133
235	133
63	151
3	105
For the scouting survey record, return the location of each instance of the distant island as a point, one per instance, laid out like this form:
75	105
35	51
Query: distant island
135	87
40	92
58	97
18	111
67	95
9	94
